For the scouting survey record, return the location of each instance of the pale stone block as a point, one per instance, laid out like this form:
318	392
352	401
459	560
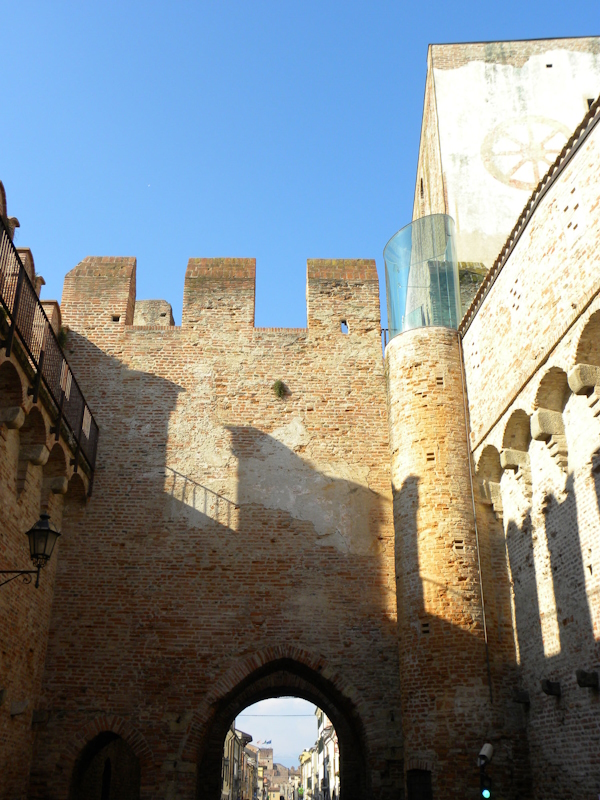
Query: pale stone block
583	377
546	423
13	417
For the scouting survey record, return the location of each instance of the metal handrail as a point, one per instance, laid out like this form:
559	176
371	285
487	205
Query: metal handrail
26	318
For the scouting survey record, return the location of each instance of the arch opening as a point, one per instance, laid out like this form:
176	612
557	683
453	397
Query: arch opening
106	769
588	347
283	747
517	434
11	388
286	678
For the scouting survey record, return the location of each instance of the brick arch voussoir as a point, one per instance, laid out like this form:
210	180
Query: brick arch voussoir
244	669
114	724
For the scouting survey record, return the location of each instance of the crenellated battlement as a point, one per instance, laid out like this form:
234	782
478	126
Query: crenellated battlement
100	291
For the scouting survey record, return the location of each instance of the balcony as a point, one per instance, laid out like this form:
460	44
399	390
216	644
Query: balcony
26	332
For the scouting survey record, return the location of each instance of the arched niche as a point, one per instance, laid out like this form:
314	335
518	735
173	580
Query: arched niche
32	446
584	377
588	346
285	677
553	391
55	480
515	447
489	473
106	769
547	423
517	434
74	503
11	396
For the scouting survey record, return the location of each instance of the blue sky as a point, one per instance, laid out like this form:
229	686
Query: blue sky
278	130
289	723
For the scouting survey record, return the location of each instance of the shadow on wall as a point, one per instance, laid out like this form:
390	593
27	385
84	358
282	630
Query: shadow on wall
554	632
555	702
448	703
187	582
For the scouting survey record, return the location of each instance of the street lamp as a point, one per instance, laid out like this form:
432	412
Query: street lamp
42	538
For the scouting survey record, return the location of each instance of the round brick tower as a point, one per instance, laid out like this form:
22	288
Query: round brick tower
443	671
445	695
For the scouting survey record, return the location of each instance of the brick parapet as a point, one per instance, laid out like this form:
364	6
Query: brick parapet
99	291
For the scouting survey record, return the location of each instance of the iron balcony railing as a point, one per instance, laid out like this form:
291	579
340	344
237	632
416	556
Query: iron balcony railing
26	318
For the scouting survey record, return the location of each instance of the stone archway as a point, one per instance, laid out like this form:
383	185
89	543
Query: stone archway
286	677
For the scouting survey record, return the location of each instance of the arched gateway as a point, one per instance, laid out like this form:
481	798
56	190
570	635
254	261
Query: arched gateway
278	678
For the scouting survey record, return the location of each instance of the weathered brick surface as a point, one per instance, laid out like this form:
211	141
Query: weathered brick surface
446	709
514	54
229	530
539	319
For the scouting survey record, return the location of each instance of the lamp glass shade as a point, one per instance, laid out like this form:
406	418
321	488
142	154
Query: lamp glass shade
42	538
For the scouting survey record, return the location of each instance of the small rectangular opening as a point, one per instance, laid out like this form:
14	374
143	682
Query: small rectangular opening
344	326
439	380
590	102
430	456
422	189
548	66
418	784
459	544
424	627
116	318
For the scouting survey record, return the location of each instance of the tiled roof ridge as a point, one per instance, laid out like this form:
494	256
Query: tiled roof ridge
578	137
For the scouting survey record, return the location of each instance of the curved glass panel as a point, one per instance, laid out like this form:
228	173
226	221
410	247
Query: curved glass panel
421	275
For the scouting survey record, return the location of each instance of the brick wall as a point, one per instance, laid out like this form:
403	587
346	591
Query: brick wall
35	476
234	538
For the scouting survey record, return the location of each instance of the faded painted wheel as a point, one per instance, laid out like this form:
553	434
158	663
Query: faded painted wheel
519	151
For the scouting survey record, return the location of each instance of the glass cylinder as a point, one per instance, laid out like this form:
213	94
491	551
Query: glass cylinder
421	275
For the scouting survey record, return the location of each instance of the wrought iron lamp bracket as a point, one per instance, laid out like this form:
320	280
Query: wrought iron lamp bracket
26	573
